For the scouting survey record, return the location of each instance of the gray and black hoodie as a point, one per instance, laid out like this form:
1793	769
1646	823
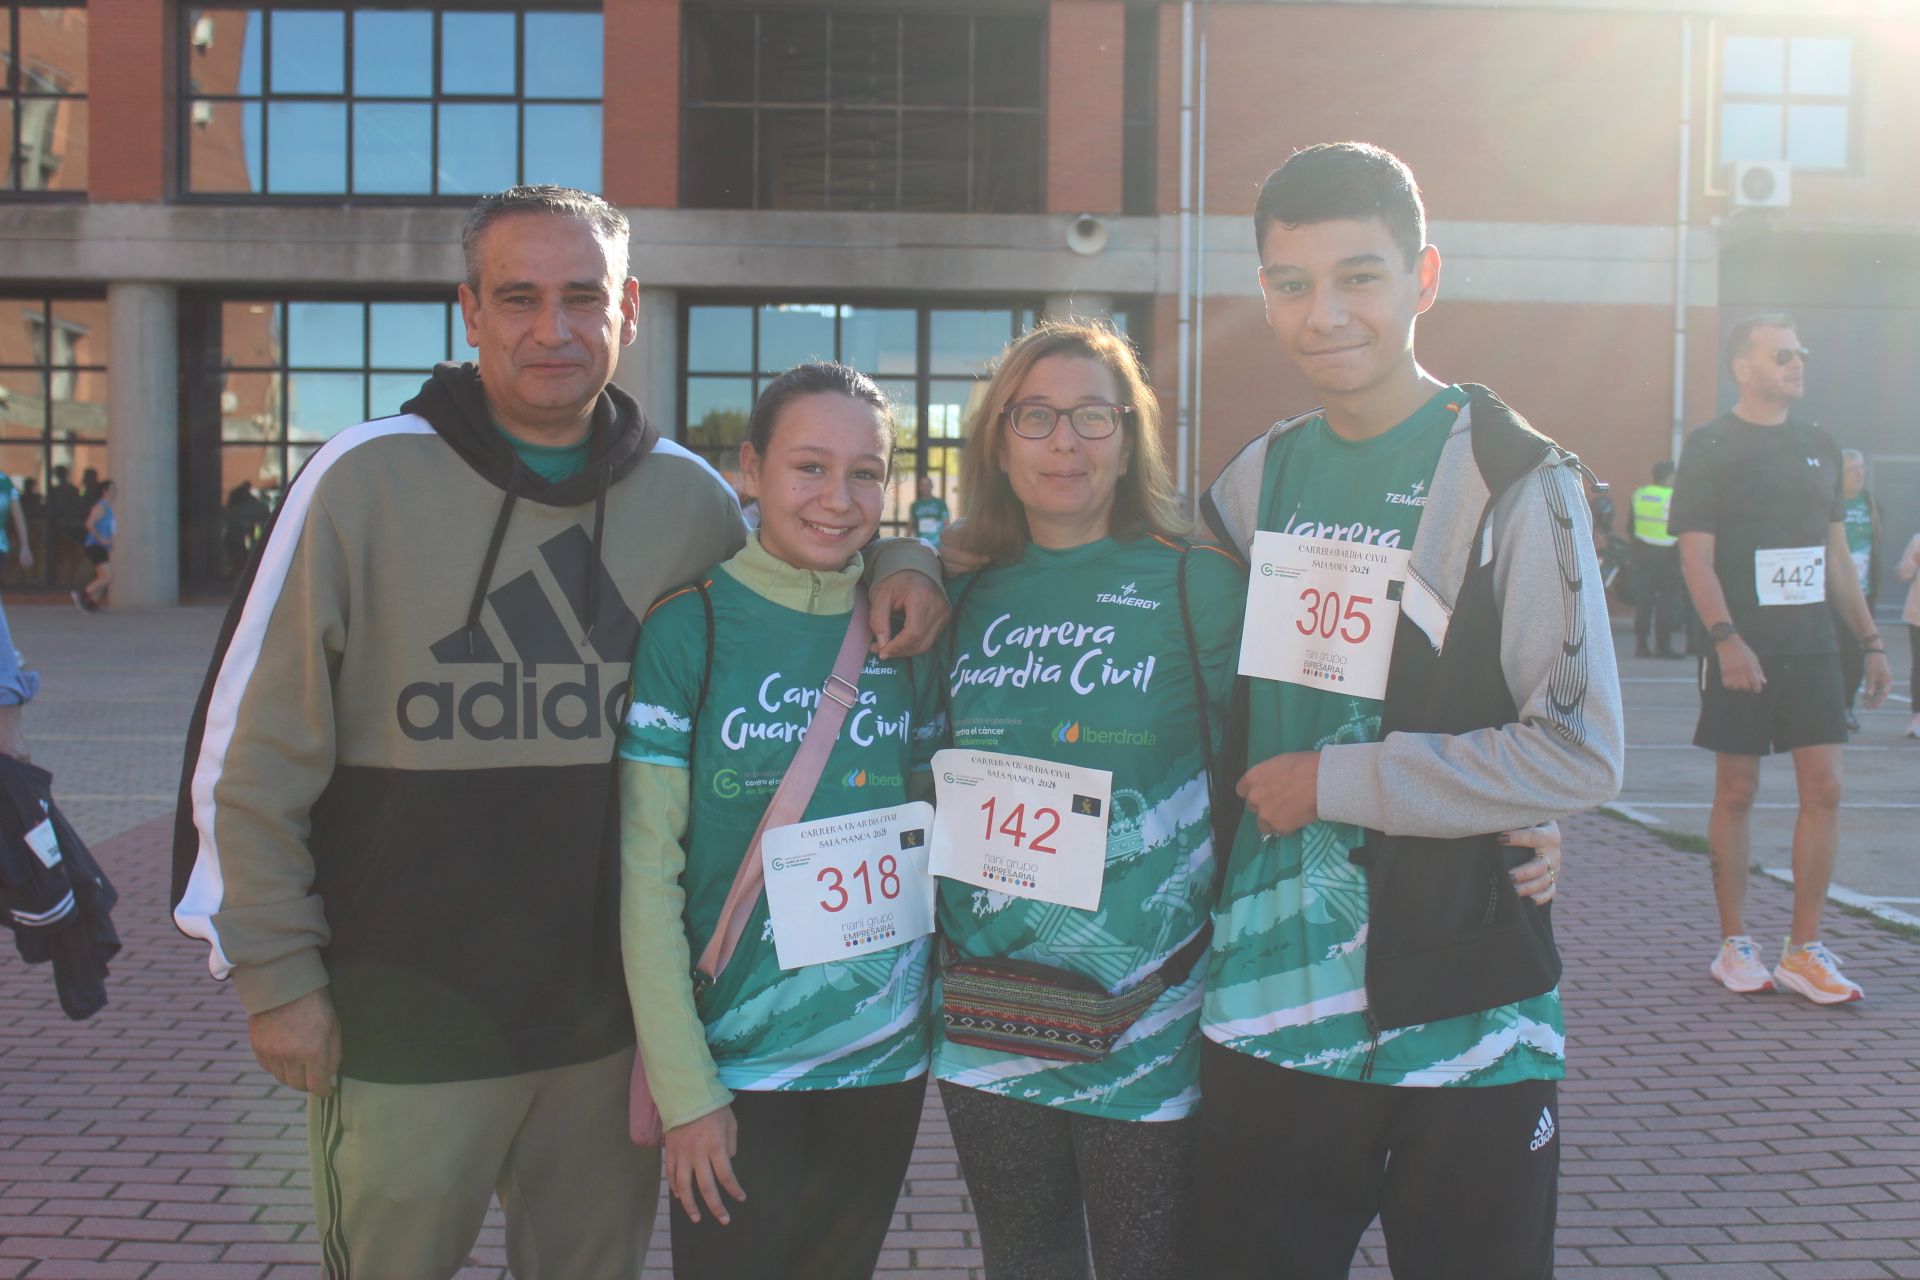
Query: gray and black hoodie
1502	710
397	779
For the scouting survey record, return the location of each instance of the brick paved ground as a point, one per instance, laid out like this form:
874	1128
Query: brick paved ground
1706	1135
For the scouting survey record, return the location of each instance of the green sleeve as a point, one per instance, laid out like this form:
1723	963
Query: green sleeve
654	800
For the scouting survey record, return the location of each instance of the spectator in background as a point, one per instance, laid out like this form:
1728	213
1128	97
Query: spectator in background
929	514
17	687
90	486
246	514
100	530
1862	520
1657	612
1909	572
31	498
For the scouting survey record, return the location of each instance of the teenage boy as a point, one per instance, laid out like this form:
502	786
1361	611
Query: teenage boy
1430	660
1760	514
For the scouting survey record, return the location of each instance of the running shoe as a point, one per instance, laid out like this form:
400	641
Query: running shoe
1814	972
1853	723
1739	967
81	602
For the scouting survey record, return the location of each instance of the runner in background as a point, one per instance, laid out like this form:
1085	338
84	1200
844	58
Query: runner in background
1761	521
1861	516
1430	657
1070	646
100	531
928	513
791	1096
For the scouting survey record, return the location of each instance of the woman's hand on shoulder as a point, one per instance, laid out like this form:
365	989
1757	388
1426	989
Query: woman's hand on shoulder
698	1163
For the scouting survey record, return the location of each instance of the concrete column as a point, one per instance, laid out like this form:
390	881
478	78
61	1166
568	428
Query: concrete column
1081	306
649	370
143	443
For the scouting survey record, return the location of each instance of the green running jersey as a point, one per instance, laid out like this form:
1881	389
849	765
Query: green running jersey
1287	978
823	1026
1080	656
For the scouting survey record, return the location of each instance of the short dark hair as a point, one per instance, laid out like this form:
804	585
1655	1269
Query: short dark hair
1662	471
813	378
608	223
1741	334
1344	180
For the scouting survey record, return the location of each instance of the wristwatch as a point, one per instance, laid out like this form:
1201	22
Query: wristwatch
1721	632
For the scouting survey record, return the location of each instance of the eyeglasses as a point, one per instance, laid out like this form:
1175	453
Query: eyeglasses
1037	421
1787	355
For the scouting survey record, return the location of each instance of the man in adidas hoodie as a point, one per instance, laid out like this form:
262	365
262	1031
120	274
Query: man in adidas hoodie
1382	1016
397	825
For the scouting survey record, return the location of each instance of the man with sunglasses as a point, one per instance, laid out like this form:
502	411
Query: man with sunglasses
1757	507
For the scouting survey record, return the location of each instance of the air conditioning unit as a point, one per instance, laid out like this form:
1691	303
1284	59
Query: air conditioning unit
1762	184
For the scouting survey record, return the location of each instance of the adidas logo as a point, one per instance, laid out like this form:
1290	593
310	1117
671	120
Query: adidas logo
511	701
1542	1132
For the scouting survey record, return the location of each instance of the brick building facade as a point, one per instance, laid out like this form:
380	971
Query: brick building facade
230	229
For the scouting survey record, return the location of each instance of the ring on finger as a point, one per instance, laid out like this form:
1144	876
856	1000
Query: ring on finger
1553	874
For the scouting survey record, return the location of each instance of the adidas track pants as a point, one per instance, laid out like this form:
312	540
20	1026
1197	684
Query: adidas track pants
403	1174
1292	1168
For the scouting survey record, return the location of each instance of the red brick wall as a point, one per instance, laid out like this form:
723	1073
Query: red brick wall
640	129
1564	116
1086	49
131	99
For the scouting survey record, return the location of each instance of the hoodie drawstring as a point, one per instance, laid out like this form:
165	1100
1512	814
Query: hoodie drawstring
604	479
493	551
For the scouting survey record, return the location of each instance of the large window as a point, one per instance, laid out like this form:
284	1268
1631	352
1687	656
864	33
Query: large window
294	374
53	424
1787	98
43	97
366	101
789	108
930	361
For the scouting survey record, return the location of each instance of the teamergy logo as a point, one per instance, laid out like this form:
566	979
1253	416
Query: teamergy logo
1415	496
1125	596
1070	732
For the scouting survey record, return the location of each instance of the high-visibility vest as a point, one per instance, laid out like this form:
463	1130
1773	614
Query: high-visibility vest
1650	503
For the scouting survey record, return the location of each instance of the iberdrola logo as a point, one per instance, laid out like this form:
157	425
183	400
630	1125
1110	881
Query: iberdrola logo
856	778
1067	732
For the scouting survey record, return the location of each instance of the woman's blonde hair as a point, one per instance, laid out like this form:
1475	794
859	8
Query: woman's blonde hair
1145	501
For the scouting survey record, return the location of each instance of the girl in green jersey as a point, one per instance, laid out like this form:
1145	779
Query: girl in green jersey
795	1092
1071	646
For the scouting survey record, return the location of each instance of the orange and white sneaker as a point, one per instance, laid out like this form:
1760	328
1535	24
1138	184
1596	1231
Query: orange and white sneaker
1739	967
1814	972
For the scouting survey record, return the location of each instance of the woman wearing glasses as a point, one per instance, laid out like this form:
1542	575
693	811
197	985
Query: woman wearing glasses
1071	646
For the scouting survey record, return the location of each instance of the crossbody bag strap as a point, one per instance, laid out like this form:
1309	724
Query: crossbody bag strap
796	789
1178	965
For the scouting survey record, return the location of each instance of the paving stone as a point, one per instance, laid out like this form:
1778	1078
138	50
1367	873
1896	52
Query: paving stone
1705	1134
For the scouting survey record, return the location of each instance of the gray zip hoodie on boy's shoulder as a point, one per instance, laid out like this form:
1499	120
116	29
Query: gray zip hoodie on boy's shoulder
1565	749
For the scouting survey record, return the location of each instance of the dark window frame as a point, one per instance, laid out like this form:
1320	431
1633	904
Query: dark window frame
910	463
46	442
1853	100
899	110
281	446
348	100
14	92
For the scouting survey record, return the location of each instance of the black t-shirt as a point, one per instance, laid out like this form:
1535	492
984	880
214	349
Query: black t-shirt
1755	487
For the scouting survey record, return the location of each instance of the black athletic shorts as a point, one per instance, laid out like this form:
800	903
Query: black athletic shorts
97	554
1291	1168
1801	705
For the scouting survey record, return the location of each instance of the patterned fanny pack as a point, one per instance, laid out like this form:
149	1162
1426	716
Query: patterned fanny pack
1042	1011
